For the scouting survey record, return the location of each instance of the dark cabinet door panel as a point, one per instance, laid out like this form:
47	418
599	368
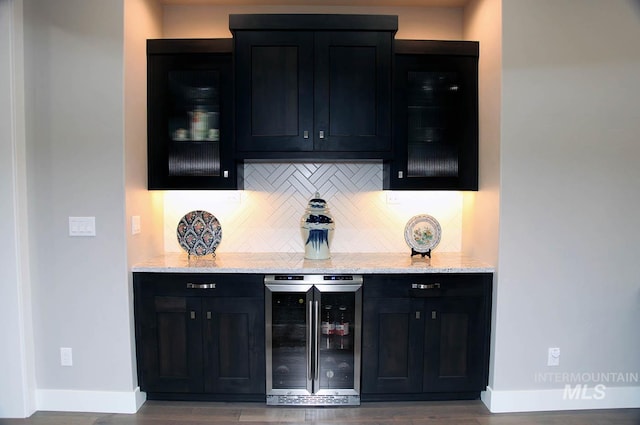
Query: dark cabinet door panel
171	345
274	91
454	350
352	91
234	341
389	360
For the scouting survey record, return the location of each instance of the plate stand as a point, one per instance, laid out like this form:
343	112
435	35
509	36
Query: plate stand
191	253
423	254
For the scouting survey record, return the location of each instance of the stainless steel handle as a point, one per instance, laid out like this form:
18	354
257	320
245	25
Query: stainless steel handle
225	174
305	134
208	315
400	174
316	350
201	286
434	315
321	134
425	286
193	315
309	342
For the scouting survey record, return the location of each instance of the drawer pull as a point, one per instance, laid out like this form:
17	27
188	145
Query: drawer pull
425	286
201	286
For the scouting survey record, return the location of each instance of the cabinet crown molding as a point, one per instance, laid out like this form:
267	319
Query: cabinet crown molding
313	22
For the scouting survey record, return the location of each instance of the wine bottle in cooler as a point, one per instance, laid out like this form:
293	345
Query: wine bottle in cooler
327	328
342	329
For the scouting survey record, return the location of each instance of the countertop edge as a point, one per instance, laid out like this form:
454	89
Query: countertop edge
294	263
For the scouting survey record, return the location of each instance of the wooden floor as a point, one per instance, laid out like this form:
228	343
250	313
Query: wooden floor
397	413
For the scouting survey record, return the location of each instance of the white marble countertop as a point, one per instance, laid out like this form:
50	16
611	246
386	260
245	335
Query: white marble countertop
281	263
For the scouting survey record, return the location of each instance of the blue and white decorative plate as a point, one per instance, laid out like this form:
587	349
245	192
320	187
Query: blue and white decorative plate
199	233
422	233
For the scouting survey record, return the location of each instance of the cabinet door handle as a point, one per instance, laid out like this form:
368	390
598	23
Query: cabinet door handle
193	315
225	174
417	315
400	174
321	135
316	346
310	337
201	286
425	286
305	134
434	315
208	315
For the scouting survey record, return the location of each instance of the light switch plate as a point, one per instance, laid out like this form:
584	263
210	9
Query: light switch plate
82	226
135	224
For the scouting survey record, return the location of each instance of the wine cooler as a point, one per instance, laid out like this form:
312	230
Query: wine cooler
313	339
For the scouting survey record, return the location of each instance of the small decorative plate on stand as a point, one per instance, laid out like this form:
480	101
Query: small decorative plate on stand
199	233
422	234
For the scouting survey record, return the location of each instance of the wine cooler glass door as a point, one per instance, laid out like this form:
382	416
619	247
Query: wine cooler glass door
338	356
289	339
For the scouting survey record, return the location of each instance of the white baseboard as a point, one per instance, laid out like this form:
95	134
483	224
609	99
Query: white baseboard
559	399
90	401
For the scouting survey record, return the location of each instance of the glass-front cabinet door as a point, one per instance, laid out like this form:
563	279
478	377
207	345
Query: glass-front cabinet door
435	116
190	136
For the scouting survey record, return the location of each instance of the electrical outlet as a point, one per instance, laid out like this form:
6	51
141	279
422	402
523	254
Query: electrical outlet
66	356
393	198
553	358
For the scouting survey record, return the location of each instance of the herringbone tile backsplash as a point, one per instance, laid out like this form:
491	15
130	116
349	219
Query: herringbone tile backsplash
265	217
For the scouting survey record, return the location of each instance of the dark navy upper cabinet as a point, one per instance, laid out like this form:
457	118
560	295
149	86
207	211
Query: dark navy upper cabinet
190	115
313	86
435	118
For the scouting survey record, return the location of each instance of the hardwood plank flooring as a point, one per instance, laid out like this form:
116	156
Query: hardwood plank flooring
396	413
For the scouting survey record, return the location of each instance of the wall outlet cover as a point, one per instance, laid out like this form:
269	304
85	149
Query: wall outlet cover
553	358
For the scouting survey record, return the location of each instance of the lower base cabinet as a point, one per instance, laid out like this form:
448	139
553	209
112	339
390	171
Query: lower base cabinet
425	336
200	336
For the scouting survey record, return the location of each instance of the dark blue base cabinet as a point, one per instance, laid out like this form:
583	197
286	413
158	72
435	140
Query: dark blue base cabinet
425	337
200	336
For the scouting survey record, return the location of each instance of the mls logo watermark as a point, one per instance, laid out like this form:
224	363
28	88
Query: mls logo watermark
587	385
584	392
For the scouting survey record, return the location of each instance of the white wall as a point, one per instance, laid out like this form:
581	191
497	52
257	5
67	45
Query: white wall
568	266
17	385
74	65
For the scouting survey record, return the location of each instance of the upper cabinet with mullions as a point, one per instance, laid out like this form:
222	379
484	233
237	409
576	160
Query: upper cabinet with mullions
313	86
435	118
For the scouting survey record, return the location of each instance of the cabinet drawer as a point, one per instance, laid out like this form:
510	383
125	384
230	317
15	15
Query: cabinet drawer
200	284
426	285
